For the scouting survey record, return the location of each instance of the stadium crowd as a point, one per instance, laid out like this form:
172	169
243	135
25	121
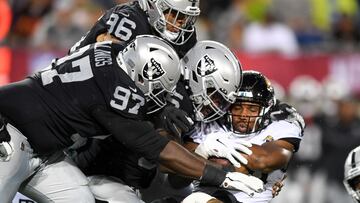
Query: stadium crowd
318	25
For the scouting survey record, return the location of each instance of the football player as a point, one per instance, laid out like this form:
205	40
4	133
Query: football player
210	85
172	20
100	89
213	87
254	117
352	174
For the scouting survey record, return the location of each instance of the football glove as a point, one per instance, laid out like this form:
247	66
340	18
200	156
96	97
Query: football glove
246	183
220	145
198	197
231	180
175	120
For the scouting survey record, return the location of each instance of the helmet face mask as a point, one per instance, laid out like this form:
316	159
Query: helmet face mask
214	76
255	98
210	106
246	117
352	174
174	19
156	97
154	67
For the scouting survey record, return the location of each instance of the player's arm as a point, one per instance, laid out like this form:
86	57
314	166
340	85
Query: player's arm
269	156
170	136
100	31
141	137
191	146
221	146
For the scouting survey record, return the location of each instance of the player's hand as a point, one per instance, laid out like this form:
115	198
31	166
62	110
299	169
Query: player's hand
220	145
246	183
288	113
276	188
175	120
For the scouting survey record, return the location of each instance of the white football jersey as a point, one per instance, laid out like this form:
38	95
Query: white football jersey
275	131
19	198
204	129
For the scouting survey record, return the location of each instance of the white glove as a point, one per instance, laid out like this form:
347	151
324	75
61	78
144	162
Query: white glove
198	197
246	183
220	145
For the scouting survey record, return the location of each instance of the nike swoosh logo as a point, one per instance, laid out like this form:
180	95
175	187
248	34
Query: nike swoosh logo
124	14
133	89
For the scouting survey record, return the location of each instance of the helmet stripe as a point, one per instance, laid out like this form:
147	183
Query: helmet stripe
353	164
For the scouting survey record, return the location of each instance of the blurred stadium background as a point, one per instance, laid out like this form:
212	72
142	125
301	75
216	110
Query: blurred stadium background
308	48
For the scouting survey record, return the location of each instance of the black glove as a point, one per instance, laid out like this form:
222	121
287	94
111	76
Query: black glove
6	148
175	120
283	111
4	134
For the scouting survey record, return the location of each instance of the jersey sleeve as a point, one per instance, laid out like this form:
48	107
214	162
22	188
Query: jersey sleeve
124	22
121	94
282	129
138	136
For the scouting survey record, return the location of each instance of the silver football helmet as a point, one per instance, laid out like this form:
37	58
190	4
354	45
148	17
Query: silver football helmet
154	66
352	173
214	74
173	19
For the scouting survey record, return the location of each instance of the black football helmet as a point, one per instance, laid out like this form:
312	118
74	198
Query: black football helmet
256	89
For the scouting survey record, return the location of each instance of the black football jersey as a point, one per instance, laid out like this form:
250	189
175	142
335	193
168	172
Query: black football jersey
105	157
56	102
125	22
180	98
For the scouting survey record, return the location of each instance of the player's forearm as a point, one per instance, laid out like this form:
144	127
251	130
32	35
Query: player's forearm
268	158
181	161
190	146
165	169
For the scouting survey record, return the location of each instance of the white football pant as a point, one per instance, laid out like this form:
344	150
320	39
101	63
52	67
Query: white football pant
112	190
61	182
20	165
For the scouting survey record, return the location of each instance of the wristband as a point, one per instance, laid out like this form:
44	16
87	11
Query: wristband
212	176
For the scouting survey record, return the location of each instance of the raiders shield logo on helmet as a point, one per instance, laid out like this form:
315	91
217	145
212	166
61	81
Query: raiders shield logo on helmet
206	66
153	70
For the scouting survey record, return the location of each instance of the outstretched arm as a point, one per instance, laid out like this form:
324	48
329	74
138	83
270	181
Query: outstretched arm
176	158
266	158
144	140
269	156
